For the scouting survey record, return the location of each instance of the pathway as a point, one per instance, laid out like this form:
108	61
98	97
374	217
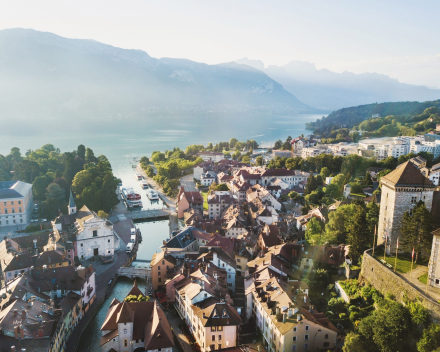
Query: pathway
188	183
432	292
174	320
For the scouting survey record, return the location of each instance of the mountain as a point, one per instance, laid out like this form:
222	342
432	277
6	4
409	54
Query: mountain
46	75
324	89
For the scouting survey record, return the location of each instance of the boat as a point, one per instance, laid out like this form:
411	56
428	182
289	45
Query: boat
138	176
130	247
144	184
152	194
131	198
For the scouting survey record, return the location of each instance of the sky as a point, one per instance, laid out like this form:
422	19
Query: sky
397	38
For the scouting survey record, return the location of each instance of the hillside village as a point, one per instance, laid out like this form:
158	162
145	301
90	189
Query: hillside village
267	256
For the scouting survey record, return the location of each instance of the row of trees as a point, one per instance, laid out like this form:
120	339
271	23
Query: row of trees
53	174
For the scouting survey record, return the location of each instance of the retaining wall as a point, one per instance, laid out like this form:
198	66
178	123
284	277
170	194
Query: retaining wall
385	280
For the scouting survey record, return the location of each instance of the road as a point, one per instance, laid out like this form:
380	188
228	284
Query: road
188	183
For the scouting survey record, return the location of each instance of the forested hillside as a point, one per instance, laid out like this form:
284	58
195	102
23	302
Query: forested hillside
378	120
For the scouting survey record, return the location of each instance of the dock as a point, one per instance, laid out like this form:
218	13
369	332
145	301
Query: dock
142	215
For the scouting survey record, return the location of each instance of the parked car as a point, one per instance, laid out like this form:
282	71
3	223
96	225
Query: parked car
43	220
34	220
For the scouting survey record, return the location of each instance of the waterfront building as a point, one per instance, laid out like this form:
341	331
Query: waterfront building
188	200
136	326
93	236
161	264
16	203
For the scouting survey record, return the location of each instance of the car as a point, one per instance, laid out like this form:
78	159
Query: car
34	220
43	220
36	206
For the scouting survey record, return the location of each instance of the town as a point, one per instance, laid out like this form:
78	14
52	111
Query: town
269	250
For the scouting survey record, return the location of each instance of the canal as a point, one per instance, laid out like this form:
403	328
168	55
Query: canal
153	235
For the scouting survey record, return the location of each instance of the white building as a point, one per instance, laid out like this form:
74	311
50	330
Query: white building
214	156
311	152
434	263
224	261
94	236
208	178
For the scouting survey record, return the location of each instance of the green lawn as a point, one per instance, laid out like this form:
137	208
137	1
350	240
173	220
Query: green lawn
424	278
205	197
403	262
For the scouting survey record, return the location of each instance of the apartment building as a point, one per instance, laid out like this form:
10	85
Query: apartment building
16	203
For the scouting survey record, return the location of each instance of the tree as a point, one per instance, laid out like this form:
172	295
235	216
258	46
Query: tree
246	159
367	179
222	187
90	156
259	160
81	151
339	222
293	195
213	186
355	343
233	142
388	328
359	237
311	184
82	180
102	214
372	216
430	340
314	231
55	192
325	172
39	186
278	144
416	230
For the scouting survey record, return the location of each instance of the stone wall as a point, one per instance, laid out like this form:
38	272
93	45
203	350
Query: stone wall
385	280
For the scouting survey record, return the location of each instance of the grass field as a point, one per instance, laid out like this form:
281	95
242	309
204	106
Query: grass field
403	261
424	278
205	198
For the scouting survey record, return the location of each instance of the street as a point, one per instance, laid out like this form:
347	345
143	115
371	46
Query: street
188	183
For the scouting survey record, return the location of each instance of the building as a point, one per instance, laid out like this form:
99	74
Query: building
208	178
16	203
281	153
288	325
315	151
188	200
401	190
218	202
136	326
288	176
214	156
161	264
92	235
216	325
188	240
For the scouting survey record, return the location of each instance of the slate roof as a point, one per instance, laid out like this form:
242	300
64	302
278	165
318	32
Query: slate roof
408	175
185	237
278	172
14	189
218	314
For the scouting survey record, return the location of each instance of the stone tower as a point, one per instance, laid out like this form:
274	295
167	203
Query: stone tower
72	207
401	190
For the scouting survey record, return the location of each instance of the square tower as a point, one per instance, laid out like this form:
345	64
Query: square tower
401	190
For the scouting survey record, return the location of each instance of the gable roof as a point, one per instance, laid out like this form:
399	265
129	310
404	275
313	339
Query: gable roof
407	174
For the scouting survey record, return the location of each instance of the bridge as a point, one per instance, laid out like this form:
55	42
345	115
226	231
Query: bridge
141	215
133	272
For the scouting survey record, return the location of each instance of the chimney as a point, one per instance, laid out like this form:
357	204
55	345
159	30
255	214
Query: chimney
21	332
298	317
284	317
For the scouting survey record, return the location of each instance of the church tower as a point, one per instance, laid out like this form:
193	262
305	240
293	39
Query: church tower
401	190
72	206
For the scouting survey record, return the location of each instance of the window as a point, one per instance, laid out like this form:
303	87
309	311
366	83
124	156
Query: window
163	261
13	211
293	348
95	233
5	203
219	328
219	337
158	268
19	210
326	344
125	343
159	280
306	337
213	337
6	211
294	329
219	346
294	338
108	241
306	347
326	336
82	244
158	273
307	327
212	347
19	202
213	328
12	202
437	281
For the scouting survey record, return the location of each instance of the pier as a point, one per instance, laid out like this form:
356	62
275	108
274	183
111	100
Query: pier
142	215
